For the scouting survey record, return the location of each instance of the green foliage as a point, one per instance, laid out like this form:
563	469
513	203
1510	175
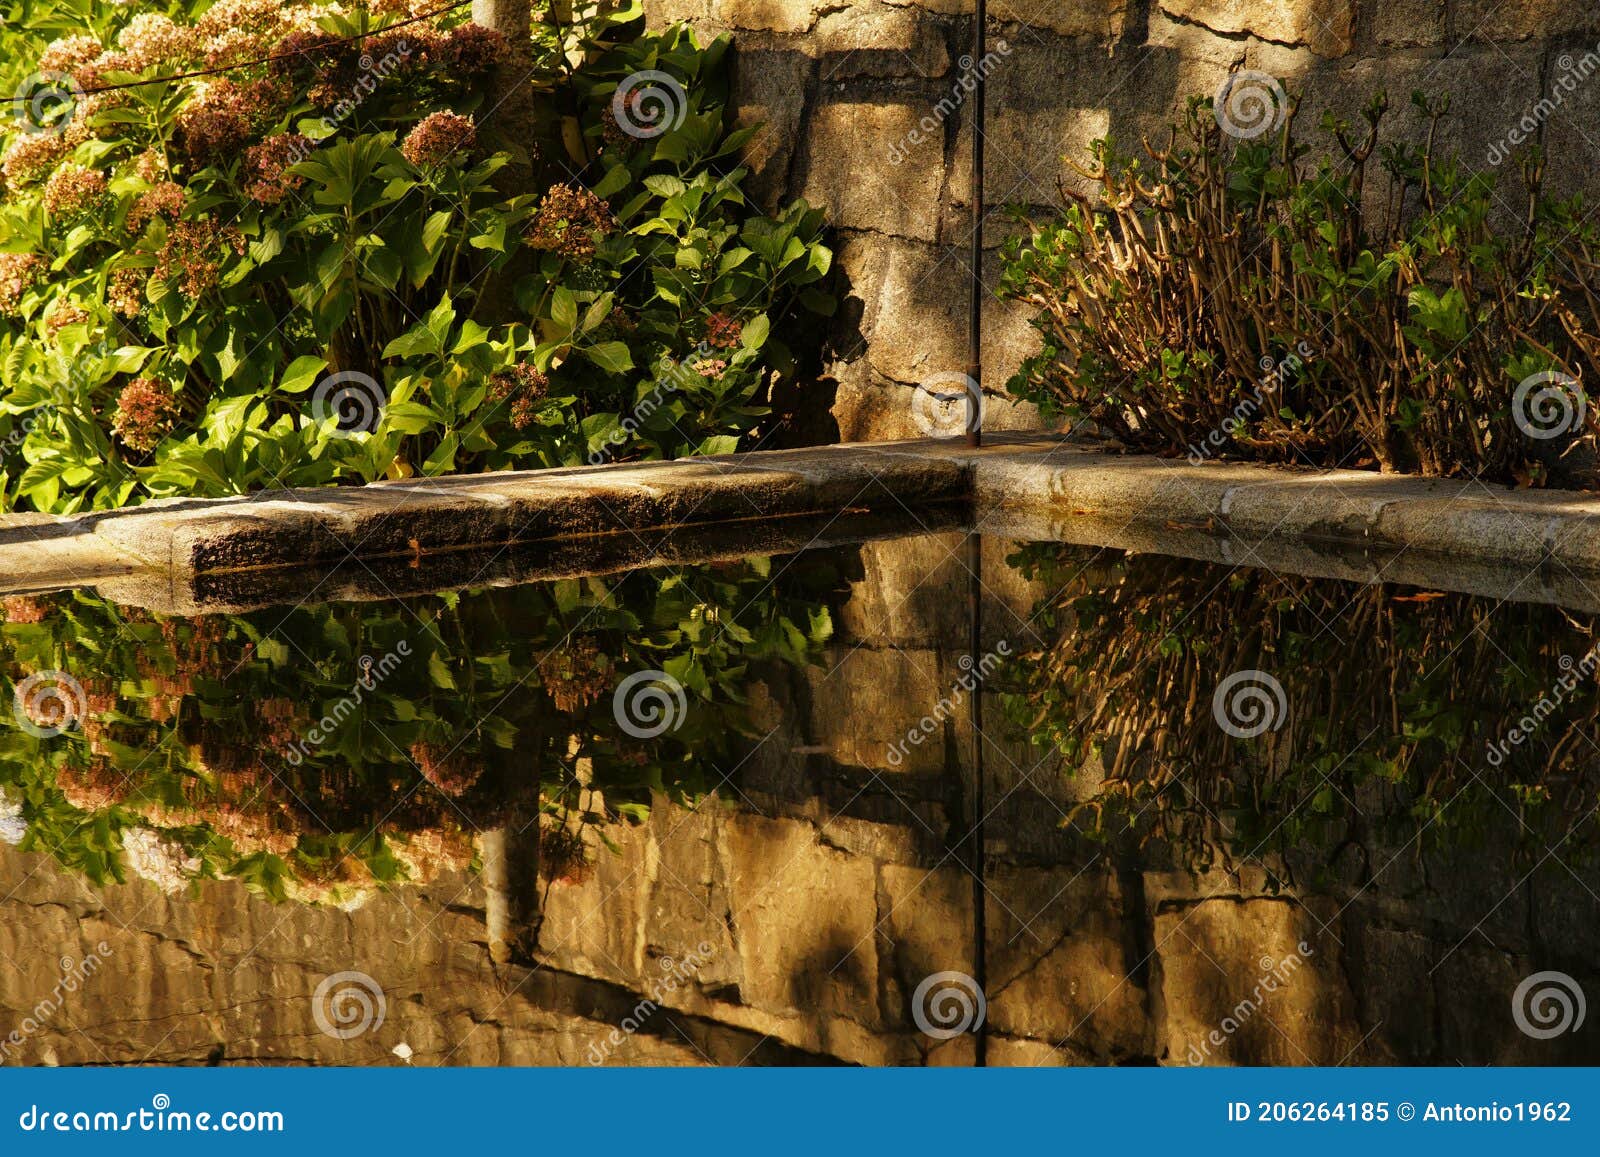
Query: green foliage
330	748
1268	299
185	265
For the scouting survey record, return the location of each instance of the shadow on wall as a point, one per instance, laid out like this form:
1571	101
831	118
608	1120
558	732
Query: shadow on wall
850	96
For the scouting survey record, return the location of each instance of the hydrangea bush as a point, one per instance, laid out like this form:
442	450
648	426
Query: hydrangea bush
296	258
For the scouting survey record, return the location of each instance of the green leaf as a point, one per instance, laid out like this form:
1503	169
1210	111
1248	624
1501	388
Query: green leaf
440	673
755	332
564	309
613	356
301	374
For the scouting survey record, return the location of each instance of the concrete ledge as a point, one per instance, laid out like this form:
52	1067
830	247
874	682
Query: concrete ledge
1451	534
170	542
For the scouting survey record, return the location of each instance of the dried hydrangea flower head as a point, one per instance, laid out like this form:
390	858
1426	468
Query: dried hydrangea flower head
524	387
62	314
74	191
449	770
194	253
32	156
125	293
569	221
145	410
723	331
152	40
19	272
437	137
69	53
164	201
267	165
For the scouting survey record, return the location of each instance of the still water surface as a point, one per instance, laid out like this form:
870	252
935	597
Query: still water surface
852	805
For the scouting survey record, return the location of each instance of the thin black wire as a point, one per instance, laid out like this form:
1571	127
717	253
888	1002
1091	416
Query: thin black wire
277	56
975	301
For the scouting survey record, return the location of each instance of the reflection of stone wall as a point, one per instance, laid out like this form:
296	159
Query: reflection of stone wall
840	84
826	891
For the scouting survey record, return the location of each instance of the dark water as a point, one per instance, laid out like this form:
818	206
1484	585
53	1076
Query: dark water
914	801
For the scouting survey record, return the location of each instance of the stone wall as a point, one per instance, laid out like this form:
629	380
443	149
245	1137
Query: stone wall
841	86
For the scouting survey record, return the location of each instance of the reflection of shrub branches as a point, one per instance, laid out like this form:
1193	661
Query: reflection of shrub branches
1392	698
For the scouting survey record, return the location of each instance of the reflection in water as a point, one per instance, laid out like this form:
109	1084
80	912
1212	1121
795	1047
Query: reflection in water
316	752
1242	712
674	817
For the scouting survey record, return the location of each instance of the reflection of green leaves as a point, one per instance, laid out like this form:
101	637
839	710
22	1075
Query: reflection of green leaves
199	727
